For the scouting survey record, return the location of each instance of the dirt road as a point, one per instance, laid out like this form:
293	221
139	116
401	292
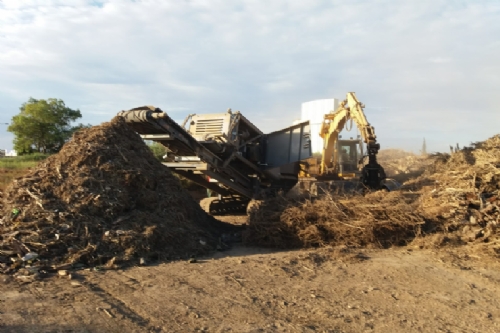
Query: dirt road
254	290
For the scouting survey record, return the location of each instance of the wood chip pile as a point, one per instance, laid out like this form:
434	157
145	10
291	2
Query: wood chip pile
103	199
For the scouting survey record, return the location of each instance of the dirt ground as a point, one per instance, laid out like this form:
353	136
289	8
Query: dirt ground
245	289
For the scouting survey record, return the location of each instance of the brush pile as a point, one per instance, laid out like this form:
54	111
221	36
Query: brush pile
375	220
103	199
457	194
464	190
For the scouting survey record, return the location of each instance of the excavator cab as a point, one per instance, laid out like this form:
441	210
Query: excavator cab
350	151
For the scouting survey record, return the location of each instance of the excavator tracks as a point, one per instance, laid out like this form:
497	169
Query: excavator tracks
223	206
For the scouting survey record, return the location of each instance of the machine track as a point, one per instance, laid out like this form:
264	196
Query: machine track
216	206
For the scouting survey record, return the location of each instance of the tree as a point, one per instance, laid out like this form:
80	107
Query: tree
424	148
158	149
43	125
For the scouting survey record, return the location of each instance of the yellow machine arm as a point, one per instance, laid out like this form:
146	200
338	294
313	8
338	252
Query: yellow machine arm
333	123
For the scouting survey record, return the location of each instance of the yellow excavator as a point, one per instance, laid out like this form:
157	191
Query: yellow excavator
342	162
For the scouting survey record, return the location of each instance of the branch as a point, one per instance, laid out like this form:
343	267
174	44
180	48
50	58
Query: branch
37	200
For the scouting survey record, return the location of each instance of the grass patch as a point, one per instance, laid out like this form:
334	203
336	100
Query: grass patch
17	166
22	162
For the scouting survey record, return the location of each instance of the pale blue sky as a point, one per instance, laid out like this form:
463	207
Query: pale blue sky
423	68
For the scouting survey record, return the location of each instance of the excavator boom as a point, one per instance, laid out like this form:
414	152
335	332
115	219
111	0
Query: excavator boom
350	109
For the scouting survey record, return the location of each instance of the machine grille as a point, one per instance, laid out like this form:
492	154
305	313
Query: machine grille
209	126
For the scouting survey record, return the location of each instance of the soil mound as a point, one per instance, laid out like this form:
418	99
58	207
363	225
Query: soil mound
103	198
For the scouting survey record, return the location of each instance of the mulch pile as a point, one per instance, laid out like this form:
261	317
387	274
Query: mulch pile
102	200
458	196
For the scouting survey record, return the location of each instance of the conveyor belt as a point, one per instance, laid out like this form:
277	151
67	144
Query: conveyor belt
150	120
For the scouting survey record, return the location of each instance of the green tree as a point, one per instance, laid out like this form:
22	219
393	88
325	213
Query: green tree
158	149
43	125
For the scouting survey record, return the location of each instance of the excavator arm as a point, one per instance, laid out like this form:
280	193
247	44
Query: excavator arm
350	109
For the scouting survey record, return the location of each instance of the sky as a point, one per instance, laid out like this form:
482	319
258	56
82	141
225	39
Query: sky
424	69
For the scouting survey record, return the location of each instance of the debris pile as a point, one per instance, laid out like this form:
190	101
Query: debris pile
458	196
389	155
402	165
103	199
377	219
463	189
405	165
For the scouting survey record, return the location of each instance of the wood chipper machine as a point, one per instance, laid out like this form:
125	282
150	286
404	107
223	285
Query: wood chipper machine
226	147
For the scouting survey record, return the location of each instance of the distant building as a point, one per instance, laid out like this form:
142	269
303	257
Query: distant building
2	152
10	153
